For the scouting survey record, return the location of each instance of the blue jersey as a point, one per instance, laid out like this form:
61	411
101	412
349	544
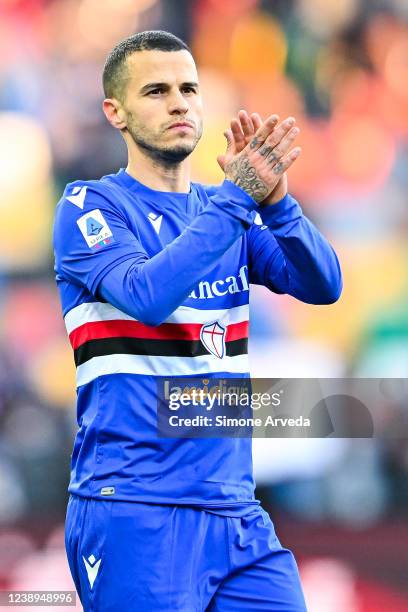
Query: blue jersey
143	275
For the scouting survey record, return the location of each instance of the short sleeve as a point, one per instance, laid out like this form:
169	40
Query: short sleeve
91	236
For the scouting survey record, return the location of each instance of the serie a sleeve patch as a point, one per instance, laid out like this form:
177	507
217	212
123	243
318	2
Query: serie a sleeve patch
95	229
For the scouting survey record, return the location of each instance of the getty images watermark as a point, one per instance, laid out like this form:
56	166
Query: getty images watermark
259	407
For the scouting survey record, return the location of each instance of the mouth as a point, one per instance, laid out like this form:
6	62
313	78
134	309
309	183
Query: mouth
181	124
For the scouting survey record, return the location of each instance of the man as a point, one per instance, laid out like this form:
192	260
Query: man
145	259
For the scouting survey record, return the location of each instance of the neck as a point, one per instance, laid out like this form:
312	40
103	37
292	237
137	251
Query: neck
158	174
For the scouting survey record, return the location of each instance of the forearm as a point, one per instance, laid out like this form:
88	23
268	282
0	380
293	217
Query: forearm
309	268
151	290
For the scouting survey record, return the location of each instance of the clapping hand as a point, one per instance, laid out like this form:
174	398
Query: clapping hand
244	128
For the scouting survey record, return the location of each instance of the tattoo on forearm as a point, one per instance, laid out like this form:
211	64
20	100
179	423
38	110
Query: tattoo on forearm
241	172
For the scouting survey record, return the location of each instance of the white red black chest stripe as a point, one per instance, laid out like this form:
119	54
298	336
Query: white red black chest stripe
107	341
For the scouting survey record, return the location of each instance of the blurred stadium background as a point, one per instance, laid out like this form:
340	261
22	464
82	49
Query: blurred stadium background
339	66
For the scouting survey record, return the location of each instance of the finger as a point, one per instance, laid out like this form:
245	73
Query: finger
284	138
229	138
263	132
272	153
286	161
256	121
283	147
238	134
246	124
280	132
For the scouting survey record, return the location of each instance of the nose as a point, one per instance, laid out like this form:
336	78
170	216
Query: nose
177	104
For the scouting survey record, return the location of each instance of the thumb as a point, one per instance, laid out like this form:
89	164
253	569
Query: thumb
221	161
229	139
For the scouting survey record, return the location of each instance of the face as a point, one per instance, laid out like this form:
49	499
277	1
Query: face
162	105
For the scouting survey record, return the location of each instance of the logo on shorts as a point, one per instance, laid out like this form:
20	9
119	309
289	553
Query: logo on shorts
212	335
92	568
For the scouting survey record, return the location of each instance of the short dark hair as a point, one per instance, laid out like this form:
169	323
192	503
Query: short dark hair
115	74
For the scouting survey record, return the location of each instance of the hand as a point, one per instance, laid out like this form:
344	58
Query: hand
238	136
258	154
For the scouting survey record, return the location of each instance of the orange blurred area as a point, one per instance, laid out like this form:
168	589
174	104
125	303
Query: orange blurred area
258	48
272	94
26	191
311	175
363	150
381	34
30	317
53	374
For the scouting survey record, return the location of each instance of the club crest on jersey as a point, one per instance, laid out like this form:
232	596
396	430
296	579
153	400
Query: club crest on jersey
212	335
95	229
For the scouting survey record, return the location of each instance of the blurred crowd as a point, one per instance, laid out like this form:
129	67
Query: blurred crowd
341	68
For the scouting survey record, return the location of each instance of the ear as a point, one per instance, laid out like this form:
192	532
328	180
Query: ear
114	113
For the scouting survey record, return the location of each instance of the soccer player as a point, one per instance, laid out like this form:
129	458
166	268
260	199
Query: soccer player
145	261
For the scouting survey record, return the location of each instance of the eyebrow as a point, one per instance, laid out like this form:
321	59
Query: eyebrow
146	88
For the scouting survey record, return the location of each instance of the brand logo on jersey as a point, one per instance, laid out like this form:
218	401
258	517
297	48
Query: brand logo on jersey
231	284
258	221
92	568
77	196
155	220
212	335
95	229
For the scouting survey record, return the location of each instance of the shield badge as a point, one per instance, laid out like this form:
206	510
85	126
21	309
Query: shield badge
212	335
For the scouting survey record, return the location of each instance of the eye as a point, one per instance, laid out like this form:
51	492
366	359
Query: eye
189	89
156	92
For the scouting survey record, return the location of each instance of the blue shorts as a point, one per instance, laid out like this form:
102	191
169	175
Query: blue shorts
129	556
